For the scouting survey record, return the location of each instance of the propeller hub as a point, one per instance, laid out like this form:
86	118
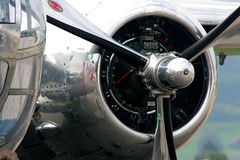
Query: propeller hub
175	73
166	73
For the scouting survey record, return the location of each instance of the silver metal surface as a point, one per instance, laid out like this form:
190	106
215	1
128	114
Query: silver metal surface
209	12
47	129
3	71
212	13
160	145
71	93
7	12
166	73
229	38
22	79
175	73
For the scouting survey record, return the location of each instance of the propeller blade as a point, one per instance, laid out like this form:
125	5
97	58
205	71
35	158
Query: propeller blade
73	22
229	28
168	128
163	146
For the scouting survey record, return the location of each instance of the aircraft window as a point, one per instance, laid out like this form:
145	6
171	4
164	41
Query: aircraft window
7	12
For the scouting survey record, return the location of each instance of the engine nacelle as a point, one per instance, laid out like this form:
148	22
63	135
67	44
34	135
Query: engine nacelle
98	103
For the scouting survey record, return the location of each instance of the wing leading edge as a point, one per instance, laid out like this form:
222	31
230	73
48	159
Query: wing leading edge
212	12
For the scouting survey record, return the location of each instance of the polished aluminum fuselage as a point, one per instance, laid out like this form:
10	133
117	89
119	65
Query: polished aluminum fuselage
22	42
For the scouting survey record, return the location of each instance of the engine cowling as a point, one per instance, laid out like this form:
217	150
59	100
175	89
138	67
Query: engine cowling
98	103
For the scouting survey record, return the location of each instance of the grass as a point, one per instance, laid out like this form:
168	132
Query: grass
227	51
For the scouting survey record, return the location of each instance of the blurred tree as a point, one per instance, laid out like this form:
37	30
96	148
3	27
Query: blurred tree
210	139
210	152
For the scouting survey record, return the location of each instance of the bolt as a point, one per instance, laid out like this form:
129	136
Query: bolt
149	87
186	71
144	80
148	53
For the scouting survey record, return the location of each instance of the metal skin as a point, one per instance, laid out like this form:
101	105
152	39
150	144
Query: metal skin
21	57
71	95
202	10
166	73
